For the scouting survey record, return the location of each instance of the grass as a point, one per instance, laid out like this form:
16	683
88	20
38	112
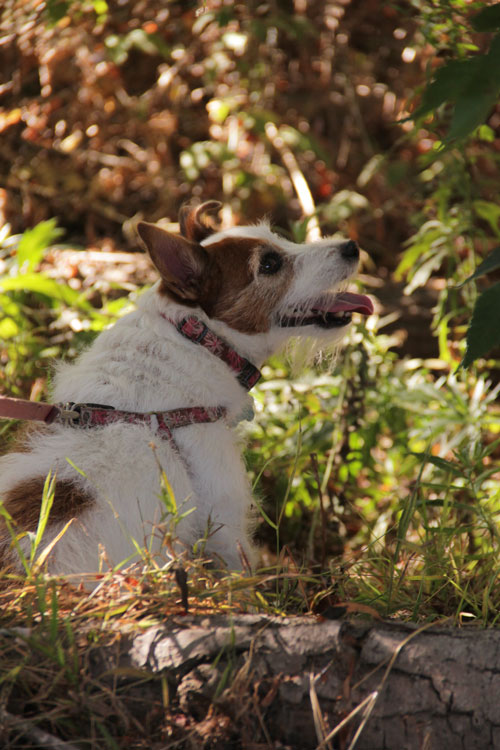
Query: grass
55	684
52	633
438	559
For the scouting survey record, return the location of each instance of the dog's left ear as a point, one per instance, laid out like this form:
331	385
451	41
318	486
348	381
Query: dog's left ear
181	263
195	220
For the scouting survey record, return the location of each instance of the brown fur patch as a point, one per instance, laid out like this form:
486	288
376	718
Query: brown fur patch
223	277
23	502
233	291
243	298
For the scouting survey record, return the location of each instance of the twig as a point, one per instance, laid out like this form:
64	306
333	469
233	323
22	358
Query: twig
368	703
260	718
244	559
38	736
298	180
319	723
181	581
364	705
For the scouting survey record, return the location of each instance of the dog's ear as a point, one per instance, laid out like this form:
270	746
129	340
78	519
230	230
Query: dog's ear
195	221
180	262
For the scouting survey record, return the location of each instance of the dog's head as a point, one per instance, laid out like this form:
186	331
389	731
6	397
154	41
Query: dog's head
255	281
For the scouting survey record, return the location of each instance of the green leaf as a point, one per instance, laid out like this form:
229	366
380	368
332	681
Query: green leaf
472	109
9	307
38	282
490	212
426	241
485	133
483	333
8	328
448	83
491	263
35	241
488	19
440	463
480	95
48	495
57	9
473	84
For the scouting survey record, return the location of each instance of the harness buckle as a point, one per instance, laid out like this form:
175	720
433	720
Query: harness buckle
69	414
79	415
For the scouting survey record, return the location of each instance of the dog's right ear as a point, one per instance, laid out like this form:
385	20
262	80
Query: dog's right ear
195	220
180	262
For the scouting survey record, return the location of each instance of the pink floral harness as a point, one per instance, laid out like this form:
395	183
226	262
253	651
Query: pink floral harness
99	415
195	329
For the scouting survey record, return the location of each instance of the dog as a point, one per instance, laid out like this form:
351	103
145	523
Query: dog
159	392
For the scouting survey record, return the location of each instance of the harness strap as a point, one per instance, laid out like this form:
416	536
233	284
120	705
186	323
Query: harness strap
99	415
195	330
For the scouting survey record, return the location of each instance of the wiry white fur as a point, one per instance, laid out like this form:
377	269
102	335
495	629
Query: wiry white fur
143	364
318	266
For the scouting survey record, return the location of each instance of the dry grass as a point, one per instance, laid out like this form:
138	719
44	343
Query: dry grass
57	685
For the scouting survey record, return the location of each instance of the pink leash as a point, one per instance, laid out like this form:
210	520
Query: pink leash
18	408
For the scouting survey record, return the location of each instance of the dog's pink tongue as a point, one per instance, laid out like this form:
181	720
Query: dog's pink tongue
349	302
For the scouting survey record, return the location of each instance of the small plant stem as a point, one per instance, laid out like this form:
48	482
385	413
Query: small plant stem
315	468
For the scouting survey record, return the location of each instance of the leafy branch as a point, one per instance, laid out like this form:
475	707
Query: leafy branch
471	85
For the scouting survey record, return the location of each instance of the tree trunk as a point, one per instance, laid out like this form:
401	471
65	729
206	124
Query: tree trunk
253	682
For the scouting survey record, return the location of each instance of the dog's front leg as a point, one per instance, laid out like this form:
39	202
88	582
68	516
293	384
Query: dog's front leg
222	493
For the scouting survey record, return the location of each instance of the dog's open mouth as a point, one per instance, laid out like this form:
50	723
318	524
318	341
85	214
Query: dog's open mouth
330	311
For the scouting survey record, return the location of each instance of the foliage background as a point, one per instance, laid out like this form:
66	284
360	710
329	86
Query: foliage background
377	480
122	110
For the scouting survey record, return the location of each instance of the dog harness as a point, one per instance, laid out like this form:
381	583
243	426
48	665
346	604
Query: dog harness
195	329
100	415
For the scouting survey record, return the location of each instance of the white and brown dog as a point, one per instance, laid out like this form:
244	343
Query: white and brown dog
162	387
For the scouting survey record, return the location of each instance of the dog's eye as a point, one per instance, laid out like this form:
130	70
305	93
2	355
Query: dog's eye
270	263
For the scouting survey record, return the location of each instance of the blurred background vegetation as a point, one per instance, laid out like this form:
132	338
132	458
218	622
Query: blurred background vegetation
381	474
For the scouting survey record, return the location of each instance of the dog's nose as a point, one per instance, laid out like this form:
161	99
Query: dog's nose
349	250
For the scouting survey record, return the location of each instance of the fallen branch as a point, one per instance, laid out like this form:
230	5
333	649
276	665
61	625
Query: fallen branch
439	686
25	728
